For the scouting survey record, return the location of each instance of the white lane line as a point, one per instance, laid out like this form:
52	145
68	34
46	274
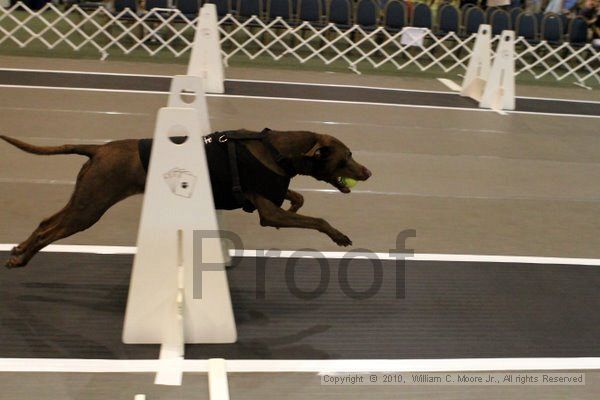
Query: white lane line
450	84
68	139
59	110
304	100
454	196
83	89
418	257
557	99
37	181
65	248
308	366
61	71
276	253
551	114
287	82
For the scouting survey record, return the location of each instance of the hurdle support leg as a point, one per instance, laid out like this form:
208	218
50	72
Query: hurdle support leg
218	385
172	348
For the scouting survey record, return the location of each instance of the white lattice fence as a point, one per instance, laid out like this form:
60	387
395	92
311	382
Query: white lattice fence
168	31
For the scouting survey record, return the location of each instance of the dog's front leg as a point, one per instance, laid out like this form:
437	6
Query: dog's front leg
296	199
271	215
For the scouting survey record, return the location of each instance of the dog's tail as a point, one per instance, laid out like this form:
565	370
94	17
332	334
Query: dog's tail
84	149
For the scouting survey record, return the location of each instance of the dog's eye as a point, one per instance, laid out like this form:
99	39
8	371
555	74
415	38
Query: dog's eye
350	155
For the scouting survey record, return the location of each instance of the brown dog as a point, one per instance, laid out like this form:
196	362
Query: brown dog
116	171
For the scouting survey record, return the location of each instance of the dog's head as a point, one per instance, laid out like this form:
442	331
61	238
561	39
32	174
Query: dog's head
330	159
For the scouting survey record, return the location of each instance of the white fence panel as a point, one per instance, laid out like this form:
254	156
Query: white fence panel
169	31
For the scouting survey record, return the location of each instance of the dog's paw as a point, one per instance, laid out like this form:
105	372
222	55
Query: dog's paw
14	262
296	203
294	208
341	240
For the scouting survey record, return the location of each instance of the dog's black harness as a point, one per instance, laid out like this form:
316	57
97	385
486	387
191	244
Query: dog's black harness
233	169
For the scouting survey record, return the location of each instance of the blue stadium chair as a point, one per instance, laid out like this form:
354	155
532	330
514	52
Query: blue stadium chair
366	14
311	11
88	5
578	32
527	27
121	5
150	4
463	12
248	8
421	16
473	19
395	16
339	12
448	19
514	14
564	18
279	8
223	6
488	13
189	8
130	7
552	29
500	21
515	4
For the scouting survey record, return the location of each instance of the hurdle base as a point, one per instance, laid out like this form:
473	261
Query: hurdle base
474	89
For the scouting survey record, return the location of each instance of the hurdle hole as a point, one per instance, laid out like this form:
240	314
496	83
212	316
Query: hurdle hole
177	134
187	96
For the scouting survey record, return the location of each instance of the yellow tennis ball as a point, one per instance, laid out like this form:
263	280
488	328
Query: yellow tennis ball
348	182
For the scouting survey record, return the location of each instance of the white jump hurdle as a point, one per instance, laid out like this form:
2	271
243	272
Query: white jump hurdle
499	93
175	299
206	60
492	86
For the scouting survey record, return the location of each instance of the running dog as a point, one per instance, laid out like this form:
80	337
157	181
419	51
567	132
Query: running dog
258	178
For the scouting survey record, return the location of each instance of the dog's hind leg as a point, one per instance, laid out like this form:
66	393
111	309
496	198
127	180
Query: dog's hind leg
96	190
65	223
43	226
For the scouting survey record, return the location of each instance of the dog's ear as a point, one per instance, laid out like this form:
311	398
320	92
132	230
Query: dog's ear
318	151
